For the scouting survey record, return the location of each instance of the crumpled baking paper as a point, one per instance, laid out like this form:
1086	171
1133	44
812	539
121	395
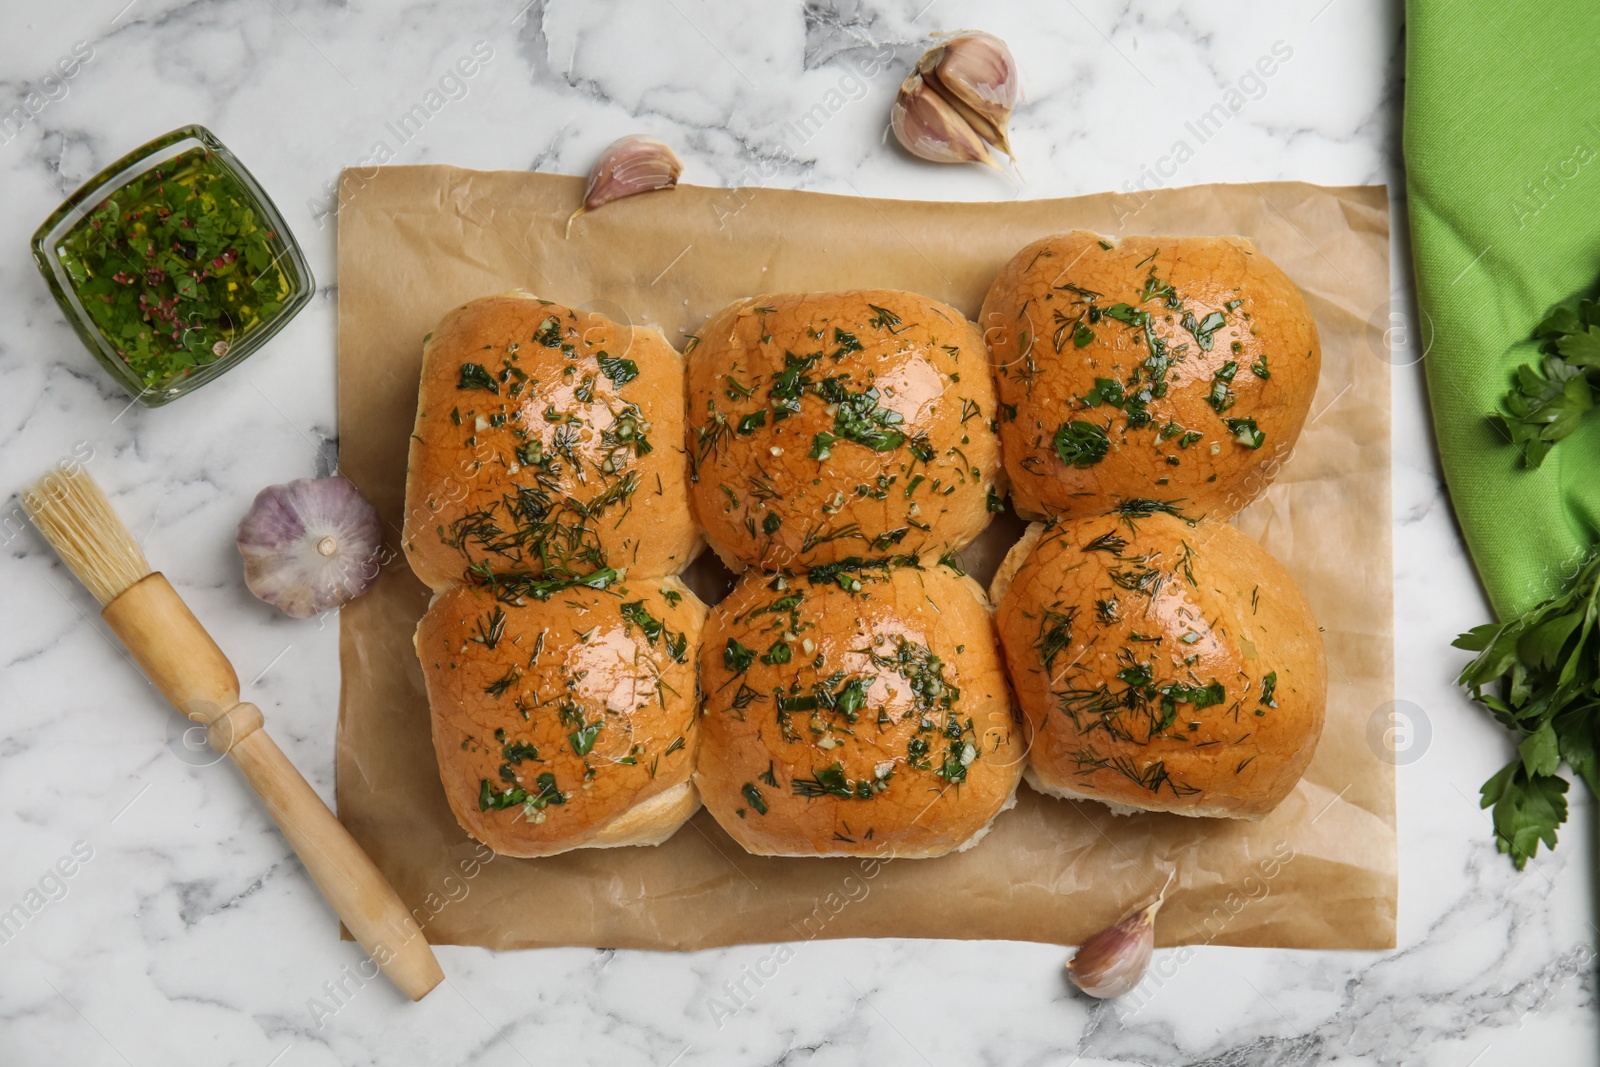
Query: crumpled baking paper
1320	872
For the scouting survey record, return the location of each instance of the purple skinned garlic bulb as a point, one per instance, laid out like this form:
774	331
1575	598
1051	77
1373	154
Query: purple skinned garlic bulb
955	105
310	546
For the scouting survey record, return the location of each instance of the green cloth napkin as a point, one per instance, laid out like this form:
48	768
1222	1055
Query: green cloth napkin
1502	151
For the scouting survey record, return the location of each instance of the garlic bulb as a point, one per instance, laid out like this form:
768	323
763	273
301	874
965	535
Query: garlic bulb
310	546
957	102
629	166
1113	961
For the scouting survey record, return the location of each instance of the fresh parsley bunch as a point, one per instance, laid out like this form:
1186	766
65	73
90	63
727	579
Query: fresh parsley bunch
1543	670
1547	402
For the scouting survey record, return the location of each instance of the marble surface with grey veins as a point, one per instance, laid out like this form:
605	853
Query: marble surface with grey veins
187	933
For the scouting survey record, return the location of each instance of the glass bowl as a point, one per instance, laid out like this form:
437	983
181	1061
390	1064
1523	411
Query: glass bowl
173	265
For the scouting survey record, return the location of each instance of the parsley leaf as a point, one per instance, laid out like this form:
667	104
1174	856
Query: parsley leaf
1527	810
1547	401
1581	349
1539	675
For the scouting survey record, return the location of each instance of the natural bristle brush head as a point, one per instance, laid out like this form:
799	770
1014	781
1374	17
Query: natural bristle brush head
78	521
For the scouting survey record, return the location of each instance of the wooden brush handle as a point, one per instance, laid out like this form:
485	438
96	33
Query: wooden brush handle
189	669
359	893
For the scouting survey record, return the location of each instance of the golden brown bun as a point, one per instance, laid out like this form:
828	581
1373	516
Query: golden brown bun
758	493
1050	321
1117	629
562	487
501	676
872	650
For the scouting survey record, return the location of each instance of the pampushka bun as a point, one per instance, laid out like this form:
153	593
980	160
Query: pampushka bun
830	425
1164	664
548	441
1161	367
860	710
567	722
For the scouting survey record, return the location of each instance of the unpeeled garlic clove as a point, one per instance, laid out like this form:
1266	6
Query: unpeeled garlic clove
630	165
931	129
1113	961
957	103
979	72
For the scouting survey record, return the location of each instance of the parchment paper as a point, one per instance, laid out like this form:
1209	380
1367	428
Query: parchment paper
1320	872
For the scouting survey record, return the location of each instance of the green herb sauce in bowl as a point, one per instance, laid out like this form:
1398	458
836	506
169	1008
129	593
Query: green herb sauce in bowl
172	265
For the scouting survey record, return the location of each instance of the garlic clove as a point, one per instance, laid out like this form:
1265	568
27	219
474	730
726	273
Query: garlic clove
310	545
629	166
930	128
980	77
1113	961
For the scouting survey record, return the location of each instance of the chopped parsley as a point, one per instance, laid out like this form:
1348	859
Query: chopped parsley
517	751
620	371
1105	391
1128	314
754	797
1220	397
857	418
831	781
1203	329
1269	690
635	613
549	333
583	738
475	376
736	657
490	800
1244	431
1081	444
789	384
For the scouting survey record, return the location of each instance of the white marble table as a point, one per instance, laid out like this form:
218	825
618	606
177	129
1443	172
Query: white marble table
190	934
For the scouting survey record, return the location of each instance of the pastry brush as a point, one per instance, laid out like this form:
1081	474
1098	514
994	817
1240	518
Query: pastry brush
185	664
